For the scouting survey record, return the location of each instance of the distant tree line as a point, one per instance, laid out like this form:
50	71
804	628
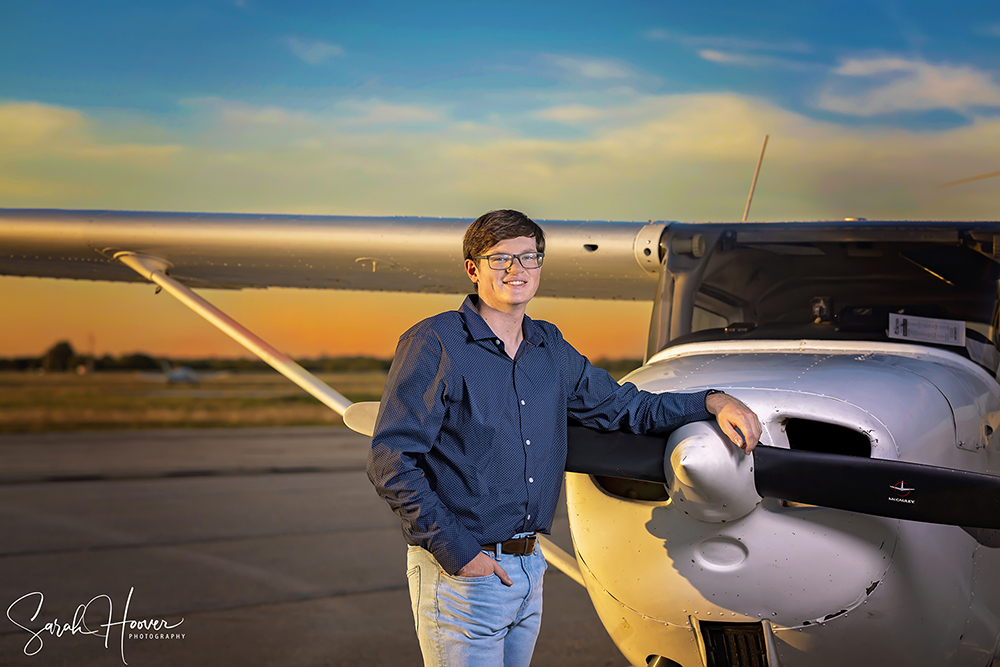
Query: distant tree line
61	358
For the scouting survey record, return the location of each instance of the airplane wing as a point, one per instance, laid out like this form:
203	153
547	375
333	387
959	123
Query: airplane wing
598	260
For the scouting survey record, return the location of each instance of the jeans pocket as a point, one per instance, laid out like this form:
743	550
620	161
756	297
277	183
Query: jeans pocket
486	578
413	579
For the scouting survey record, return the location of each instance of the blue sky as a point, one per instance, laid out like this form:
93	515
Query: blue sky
152	57
574	110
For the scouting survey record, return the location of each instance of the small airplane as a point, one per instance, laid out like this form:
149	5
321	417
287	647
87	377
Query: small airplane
865	529
173	374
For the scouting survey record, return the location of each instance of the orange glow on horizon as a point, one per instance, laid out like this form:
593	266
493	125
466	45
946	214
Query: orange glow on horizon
124	318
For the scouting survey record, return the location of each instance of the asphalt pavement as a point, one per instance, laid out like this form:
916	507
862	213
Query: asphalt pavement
221	547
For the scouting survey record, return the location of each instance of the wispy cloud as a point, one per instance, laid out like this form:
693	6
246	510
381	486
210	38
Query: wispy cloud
31	130
45	150
589	68
377	112
606	115
572	114
754	61
313	52
872	86
739	52
351	112
727	43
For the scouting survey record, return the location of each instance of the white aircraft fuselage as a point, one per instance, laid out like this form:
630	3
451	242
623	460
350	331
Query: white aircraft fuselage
820	582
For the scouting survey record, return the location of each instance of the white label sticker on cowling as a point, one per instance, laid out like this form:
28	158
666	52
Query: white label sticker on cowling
927	329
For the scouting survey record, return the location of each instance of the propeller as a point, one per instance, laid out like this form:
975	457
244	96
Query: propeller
714	481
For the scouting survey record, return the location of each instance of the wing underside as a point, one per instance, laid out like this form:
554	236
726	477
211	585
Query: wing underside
583	259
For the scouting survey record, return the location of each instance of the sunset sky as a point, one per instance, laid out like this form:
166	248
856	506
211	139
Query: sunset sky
564	110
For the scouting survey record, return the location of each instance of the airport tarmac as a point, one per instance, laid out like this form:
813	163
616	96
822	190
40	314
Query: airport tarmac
237	547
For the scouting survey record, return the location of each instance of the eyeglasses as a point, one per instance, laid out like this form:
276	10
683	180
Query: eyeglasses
503	261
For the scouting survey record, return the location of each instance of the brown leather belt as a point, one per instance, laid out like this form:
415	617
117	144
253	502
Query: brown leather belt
521	546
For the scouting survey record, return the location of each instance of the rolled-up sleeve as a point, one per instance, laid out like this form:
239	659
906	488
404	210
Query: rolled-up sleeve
409	422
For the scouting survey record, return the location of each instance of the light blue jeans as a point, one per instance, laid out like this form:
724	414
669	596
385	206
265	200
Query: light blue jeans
476	621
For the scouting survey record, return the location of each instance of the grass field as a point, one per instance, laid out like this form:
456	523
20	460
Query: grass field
31	402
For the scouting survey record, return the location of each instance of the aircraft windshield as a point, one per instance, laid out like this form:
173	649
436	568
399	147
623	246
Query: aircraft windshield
844	281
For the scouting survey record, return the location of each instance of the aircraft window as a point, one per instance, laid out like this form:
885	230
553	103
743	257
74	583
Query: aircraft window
838	282
816	436
980	347
632	489
702	319
985	329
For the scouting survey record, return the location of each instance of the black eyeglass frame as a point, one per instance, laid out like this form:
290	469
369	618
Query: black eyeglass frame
510	261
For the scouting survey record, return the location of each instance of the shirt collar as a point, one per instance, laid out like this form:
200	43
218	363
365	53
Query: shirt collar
479	330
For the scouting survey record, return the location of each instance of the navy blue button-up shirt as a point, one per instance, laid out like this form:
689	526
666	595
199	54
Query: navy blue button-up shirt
470	445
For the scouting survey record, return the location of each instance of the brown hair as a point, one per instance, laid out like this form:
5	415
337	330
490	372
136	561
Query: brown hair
491	228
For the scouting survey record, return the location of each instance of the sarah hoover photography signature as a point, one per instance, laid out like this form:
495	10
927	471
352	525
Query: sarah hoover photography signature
99	608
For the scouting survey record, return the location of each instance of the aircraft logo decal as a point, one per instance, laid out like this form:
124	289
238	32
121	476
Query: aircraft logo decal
901	487
903	490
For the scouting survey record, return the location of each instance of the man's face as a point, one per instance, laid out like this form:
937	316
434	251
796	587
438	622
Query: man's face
505	290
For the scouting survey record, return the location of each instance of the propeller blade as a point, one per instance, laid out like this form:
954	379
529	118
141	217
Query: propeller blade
616	454
893	489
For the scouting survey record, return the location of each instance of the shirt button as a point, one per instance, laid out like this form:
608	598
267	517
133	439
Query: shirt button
527	442
522	402
531	480
497	341
529	516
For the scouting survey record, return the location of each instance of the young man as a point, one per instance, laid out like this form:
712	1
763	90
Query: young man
470	446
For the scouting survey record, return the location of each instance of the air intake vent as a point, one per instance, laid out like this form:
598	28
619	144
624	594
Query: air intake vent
815	436
734	644
632	489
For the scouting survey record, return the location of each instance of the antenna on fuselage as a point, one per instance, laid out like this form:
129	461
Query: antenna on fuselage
753	184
